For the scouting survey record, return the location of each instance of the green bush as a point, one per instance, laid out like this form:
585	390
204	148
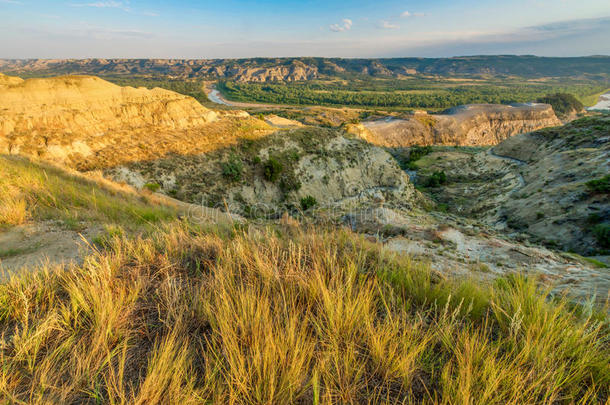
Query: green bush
289	183
308	202
599	185
154	187
272	170
437	179
417	152
602	234
233	168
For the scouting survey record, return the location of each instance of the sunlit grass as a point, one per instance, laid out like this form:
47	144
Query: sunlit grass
287	315
43	192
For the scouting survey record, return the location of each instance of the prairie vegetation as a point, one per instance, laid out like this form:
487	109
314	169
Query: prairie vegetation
288	315
41	192
278	314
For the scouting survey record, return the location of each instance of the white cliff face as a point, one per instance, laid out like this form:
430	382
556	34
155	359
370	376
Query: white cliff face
474	125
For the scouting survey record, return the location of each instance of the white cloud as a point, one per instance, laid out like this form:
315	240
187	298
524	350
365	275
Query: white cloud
105	4
346	25
408	14
11	2
119	5
386	25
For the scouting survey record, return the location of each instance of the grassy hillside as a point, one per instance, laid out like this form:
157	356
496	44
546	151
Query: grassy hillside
278	314
32	191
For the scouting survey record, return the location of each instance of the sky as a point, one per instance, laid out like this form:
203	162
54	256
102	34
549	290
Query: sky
273	28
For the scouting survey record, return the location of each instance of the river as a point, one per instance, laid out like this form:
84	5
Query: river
215	97
602	104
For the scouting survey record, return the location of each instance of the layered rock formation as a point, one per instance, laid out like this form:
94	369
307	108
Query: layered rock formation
312	162
470	125
295	71
307	68
88	122
535	184
89	105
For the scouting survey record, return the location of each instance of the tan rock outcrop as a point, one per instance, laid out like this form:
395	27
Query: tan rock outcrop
88	123
89	105
471	125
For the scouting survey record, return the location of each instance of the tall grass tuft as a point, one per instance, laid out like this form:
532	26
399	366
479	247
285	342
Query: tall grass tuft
287	315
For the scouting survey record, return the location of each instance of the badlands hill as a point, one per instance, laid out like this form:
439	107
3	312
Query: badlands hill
90	105
280	171
540	183
469	125
293	69
160	305
88	123
163	138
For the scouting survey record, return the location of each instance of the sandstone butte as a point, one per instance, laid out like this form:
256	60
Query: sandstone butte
469	125
90	105
90	123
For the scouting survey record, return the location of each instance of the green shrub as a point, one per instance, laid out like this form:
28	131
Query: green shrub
233	168
442	207
154	187
308	202
601	185
418	152
602	234
437	179
272	170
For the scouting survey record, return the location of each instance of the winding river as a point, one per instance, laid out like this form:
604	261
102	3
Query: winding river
602	104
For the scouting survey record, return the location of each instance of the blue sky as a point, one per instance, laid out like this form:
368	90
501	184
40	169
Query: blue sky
237	28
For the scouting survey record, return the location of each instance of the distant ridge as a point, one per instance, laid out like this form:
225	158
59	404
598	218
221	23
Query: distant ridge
308	68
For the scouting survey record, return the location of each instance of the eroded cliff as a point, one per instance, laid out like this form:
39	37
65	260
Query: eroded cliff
470	125
89	123
536	183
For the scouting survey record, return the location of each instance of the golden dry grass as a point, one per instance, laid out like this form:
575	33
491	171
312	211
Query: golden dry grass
13	209
287	315
34	190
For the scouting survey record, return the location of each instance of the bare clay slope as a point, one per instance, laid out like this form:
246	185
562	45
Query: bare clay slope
470	125
156	136
535	183
89	123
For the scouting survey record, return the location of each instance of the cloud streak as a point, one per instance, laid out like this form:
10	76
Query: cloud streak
408	14
346	25
104	4
113	4
386	25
